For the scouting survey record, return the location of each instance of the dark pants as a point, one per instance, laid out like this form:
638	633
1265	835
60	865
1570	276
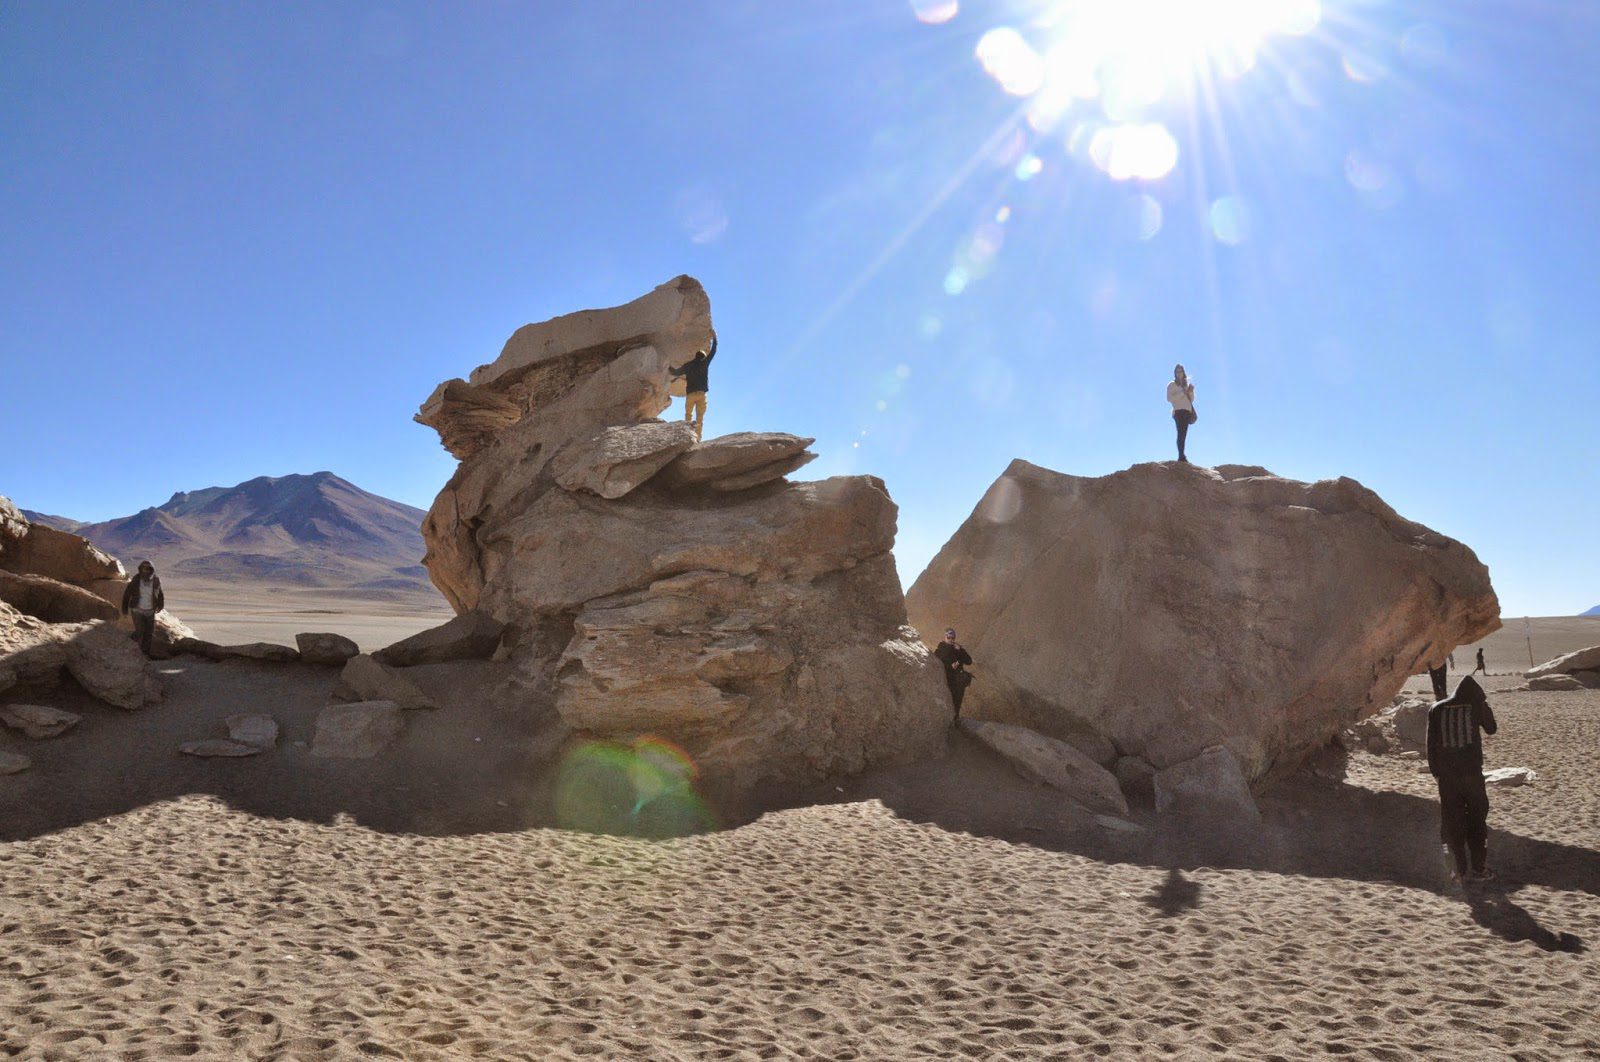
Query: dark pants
1464	818
1441	681
1181	418
958	690
144	629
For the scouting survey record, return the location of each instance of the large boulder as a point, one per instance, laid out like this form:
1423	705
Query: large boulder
1209	785
364	679
1580	660
322	647
1556	683
34	549
470	636
356	731
52	600
109	665
1170	608
645	588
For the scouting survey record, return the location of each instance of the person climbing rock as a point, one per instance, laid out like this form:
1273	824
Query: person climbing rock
696	372
142	599
955	658
1180	393
1455	759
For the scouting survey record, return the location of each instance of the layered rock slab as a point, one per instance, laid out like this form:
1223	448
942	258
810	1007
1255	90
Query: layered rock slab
1170	608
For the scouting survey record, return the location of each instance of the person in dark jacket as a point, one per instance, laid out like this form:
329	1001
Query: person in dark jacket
696	374
1455	758
142	599
955	658
1440	677
1481	665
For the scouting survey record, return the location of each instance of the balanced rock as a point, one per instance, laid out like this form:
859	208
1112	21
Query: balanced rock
762	631
325	648
357	731
1210	785
1052	763
1169	607
37	721
13	762
364	679
472	635
617	459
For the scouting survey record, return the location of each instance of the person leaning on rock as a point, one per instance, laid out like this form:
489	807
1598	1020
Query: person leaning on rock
142	599
1455	758
696	382
1180	394
955	658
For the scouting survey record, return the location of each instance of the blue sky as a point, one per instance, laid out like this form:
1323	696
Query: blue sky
249	239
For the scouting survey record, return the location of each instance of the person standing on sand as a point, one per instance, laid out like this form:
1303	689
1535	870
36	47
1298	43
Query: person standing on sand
1481	665
142	599
1455	759
955	658
696	373
1180	393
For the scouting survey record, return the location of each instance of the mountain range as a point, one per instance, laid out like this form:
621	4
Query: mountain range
313	530
1592	612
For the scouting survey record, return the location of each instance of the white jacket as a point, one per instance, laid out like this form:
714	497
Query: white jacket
1180	396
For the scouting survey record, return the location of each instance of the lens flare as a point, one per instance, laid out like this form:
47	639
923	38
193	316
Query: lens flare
1134	152
1011	61
1230	220
645	788
935	12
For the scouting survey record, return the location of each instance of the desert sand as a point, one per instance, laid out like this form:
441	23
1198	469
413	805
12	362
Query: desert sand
424	907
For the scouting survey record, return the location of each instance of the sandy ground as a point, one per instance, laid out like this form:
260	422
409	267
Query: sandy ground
230	614
422	906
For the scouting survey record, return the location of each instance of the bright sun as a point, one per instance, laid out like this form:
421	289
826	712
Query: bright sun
1128	56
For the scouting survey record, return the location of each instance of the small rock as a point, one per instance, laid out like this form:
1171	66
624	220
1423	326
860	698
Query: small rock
260	731
12	762
325	648
1510	776
1111	822
357	731
36	721
1411	754
218	747
364	679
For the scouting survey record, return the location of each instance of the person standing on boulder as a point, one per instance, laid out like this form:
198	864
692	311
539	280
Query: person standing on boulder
696	372
955	658
1180	393
142	599
1455	758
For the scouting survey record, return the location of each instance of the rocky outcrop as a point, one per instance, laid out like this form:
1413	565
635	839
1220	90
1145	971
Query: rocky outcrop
1209	785
1169	608
1583	666
469	636
651	585
98	656
34	549
1052	763
52	600
325	648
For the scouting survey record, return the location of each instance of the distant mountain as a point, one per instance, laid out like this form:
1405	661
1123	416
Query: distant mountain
60	523
317	530
1592	612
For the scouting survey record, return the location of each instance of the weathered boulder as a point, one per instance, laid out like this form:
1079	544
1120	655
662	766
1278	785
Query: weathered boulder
739	461
30	649
1410	721
52	600
1510	777
325	648
364	679
1554	683
1581	660
470	636
1052	763
267	652
644	588
617	459
1210	785
108	665
34	549
13	762
37	721
356	731
1169	607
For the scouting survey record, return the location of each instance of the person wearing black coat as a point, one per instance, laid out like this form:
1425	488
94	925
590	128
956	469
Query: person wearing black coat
696	373
142	599
1455	758
955	658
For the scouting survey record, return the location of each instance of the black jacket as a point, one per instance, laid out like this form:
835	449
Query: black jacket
696	371
1454	746
130	596
954	657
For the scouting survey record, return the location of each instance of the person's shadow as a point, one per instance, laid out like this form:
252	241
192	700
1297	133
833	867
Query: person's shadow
1174	895
1493	909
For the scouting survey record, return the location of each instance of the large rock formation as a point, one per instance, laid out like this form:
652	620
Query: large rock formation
1582	666
1172	608
651	585
54	575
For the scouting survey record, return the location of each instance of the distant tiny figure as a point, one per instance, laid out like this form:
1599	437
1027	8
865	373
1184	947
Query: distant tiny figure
1180	392
956	660
1481	665
1455	758
696	383
1441	680
142	600
1451	657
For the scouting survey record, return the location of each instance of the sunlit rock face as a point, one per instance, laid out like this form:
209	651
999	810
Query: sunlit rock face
1171	608
657	587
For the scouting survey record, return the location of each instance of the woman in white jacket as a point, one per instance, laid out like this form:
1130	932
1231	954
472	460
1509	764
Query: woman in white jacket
1180	393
